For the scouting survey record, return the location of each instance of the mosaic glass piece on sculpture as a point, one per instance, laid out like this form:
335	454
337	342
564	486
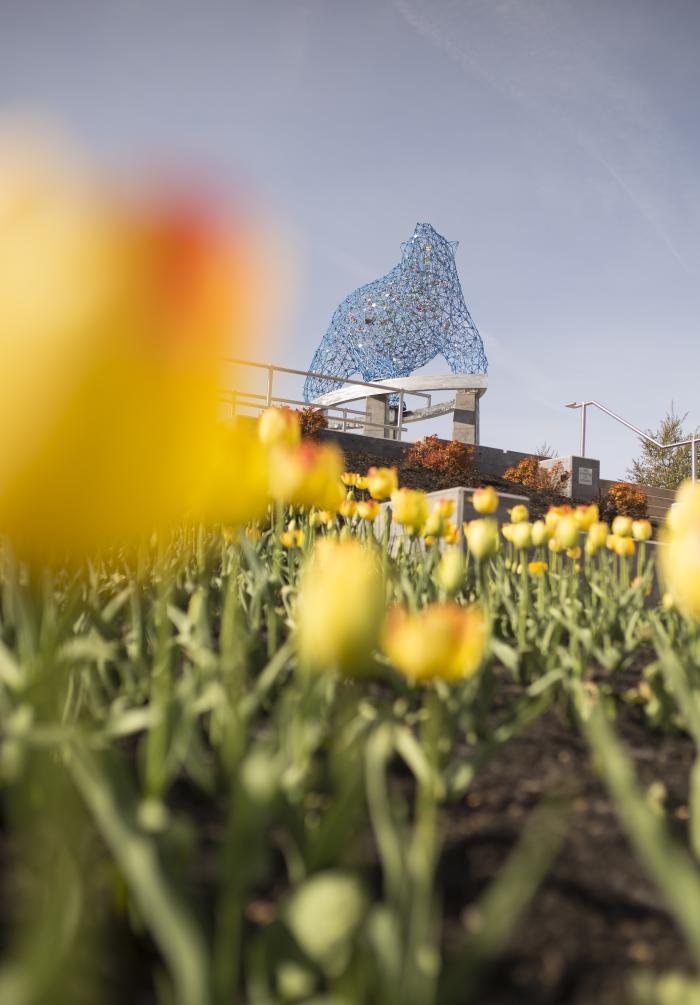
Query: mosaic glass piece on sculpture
397	324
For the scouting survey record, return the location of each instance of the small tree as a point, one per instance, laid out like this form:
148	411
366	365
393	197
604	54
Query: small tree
659	468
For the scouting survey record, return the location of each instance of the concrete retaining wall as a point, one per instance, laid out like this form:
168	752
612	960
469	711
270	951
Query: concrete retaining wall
489	460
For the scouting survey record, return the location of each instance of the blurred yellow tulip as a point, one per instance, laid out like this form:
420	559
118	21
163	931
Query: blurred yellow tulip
279	427
482	537
540	533
409	507
519	514
340	607
680	555
485	500
586	516
114	318
622	526
441	642
521	535
368	509
537	569
566	531
382	482
308	475
449	574
641	530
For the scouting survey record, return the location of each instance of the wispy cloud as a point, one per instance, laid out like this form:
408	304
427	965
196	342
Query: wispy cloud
542	56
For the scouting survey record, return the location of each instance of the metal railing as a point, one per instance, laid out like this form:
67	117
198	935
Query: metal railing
692	442
342	415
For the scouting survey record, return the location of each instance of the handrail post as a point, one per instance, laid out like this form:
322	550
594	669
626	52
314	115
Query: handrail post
399	415
269	386
693	460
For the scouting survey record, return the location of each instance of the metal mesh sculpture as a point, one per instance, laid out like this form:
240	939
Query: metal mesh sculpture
396	324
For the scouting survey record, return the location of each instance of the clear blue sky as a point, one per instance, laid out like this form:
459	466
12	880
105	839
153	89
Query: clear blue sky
558	141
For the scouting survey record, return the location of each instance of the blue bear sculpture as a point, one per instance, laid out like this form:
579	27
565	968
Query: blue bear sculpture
396	324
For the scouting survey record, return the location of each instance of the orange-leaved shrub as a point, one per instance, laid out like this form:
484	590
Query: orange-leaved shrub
529	473
311	422
451	458
624	499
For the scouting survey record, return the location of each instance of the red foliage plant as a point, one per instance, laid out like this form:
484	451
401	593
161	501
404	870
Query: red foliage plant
624	499
529	473
452	459
312	421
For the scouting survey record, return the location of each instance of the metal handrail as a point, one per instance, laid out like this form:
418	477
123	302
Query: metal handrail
397	427
692	442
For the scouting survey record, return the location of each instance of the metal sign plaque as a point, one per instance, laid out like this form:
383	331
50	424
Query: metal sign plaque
585	476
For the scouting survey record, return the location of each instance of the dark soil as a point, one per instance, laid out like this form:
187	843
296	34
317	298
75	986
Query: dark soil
596	917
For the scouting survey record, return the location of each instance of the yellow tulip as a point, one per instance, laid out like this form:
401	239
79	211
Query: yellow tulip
622	526
114	317
441	642
348	507
308	475
449	574
482	537
349	478
409	508
439	518
485	500
554	515
566	531
574	553
279	427
597	537
292	538
537	569
540	533
382	482
685	512
238	477
521	535
622	546
368	509
586	516
451	535
641	530
519	514
507	531
361	482
680	556
340	607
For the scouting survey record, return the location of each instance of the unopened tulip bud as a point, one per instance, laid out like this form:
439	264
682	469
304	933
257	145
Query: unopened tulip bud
622	526
641	530
521	535
485	500
540	533
449	574
566	532
482	538
519	514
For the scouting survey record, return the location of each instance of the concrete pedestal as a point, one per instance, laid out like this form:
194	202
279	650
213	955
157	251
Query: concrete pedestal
465	423
377	412
584	477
